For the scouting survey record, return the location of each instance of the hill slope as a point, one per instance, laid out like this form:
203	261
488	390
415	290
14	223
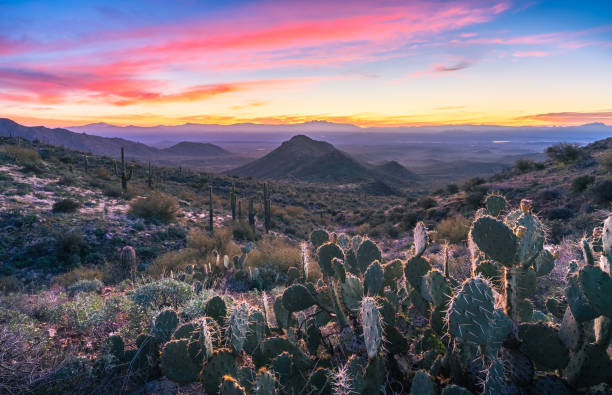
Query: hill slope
189	148
108	146
304	159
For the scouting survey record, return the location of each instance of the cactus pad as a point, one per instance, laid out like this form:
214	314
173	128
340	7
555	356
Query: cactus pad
319	237
495	204
176	363
435	288
415	269
597	287
165	324
372	328
238	326
582	309
215	308
326	253
352	293
373	279
393	271
590	366
495	239
419	236
221	363
297	298
541	343
545	263
229	386
470	314
265	384
367	253
423	384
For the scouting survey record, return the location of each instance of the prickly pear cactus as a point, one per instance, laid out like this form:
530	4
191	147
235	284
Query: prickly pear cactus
164	325
238	326
265	383
221	363
373	279
229	386
419	236
352	293
367	253
326	253
495	239
435	288
495	204
215	308
297	298
541	343
372	328
319	237
176	363
423	384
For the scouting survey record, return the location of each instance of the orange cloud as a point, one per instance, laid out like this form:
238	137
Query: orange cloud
570	118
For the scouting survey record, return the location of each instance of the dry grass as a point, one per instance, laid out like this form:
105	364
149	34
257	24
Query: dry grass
158	206
276	252
453	229
76	275
23	156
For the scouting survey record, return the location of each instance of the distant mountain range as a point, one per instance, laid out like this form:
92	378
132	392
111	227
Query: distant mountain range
109	146
304	159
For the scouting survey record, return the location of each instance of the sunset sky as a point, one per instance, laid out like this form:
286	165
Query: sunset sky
369	63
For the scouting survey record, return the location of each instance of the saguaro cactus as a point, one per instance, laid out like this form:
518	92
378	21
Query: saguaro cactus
233	202
210	210
86	163
251	215
123	172
149	176
267	207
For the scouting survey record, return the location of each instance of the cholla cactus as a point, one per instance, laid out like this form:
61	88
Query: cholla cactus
372	327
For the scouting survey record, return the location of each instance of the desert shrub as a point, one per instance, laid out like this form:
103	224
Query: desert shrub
601	191
605	159
474	199
549	194
77	274
205	244
102	173
524	165
452	188
472	183
173	261
560	213
23	156
94	285
65	181
580	183
295	211
453	229
243	231
69	247
65	206
565	153
10	284
427	202
276	252
162	293
112	190
157	207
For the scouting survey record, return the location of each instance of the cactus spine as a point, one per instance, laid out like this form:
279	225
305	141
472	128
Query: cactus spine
123	172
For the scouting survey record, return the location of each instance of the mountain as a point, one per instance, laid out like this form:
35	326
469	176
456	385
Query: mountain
76	141
393	169
106	145
304	159
189	148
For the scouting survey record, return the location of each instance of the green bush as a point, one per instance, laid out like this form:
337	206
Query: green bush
85	286
453	230
162	293
65	206
580	183
565	153
601	191
157	207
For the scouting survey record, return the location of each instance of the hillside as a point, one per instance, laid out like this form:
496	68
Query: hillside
193	154
189	148
304	159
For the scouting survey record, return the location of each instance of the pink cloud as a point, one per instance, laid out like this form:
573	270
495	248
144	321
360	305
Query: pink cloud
527	54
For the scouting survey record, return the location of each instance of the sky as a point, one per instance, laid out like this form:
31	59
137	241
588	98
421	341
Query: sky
369	63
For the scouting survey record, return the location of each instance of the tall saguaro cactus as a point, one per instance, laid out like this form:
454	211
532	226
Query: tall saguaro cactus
266	207
86	163
210	210
251	215
149	176
123	172
233	202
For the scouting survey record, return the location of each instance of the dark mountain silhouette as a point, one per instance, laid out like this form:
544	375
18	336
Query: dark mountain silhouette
394	169
304	159
189	148
105	145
